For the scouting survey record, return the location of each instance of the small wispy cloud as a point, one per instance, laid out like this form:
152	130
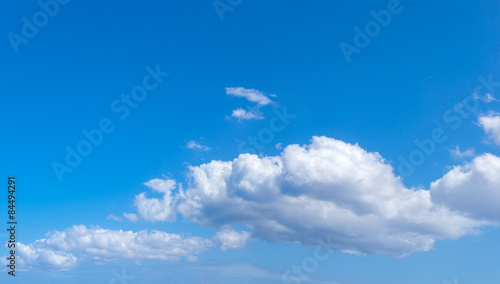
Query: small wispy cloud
242	114
458	154
113	217
252	95
488	98
130	216
197	146
231	239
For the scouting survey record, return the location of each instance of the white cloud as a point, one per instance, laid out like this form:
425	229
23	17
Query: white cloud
491	125
254	96
488	98
473	188
38	256
196	146
251	95
58	250
131	216
326	191
242	114
161	185
230	239
457	154
113	217
154	209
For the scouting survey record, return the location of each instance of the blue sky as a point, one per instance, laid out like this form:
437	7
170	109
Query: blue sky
216	76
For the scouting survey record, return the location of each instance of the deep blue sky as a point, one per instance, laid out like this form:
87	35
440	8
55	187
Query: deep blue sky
64	79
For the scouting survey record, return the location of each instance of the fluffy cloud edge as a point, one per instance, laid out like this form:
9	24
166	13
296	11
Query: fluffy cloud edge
491	126
472	189
252	95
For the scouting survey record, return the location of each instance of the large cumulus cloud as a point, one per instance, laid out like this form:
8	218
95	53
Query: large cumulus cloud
327	190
